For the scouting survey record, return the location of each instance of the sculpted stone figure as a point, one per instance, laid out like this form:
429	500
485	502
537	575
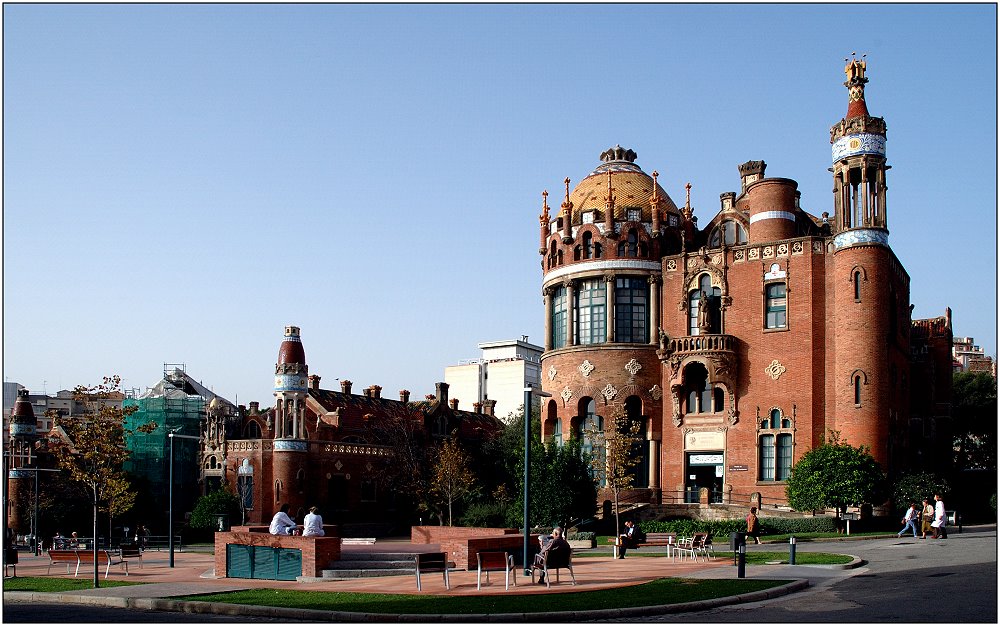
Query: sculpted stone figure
704	315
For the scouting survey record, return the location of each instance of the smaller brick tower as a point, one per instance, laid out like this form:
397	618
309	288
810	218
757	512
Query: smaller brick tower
870	286
291	376
20	483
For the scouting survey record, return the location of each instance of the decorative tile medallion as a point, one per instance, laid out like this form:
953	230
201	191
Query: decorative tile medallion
861	143
768	252
817	247
632	367
754	254
655	392
586	368
716	259
783	249
609	392
797	247
671	265
552	372
566	394
338	465
739	255
861	235
775	369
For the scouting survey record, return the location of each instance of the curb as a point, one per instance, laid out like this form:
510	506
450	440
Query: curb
217	608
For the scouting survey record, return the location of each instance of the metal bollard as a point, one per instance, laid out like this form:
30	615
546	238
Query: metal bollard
741	562
791	550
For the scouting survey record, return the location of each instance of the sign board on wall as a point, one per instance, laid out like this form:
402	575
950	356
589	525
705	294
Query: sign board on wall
705	440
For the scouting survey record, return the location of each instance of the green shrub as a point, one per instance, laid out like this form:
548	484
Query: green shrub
580	536
485	515
723	528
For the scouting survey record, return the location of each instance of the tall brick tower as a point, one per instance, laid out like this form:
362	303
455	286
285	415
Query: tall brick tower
20	483
870	288
601	282
291	375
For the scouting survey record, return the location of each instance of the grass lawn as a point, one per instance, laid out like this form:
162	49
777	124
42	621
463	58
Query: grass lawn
658	592
801	558
48	584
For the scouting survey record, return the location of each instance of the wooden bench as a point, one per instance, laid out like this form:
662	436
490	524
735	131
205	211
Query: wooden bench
81	557
432	562
68	557
495	562
130	551
669	540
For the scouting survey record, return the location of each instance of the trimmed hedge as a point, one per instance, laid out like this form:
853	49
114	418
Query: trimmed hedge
723	528
580	536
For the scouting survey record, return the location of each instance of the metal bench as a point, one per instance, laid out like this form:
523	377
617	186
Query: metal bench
432	562
130	551
495	562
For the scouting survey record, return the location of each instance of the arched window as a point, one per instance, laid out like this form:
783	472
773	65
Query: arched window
702	395
776	305
774	447
557	437
588	245
640	449
277	491
590	425
252	430
558	325
730	232
857	286
630	246
857	391
552	253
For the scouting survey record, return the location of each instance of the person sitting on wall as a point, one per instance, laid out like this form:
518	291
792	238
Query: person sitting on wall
312	526
281	524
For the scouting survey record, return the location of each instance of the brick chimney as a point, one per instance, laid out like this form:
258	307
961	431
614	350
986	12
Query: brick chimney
454	404
376	391
477	407
489	406
441	392
404	395
255	408
367	391
345	386
314	382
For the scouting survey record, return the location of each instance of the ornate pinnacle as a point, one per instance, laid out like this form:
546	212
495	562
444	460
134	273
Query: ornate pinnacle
687	202
544	217
566	203
655	198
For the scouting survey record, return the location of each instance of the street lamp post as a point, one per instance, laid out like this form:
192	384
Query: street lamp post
170	489
527	465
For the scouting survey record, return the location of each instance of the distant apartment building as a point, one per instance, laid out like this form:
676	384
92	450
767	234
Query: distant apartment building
968	357
500	374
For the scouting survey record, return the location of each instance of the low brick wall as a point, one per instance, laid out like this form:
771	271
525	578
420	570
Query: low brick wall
317	552
462	544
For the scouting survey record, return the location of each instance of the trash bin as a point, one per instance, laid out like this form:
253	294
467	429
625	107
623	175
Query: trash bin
736	540
222	522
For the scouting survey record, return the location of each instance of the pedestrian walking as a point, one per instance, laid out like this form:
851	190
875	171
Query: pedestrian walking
940	523
926	517
909	521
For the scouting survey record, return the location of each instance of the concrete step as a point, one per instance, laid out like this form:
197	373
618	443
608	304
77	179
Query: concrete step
347	574
373	564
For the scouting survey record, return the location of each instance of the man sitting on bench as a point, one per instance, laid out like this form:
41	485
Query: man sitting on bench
628	539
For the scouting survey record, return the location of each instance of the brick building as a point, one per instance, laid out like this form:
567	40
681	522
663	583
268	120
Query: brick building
328	448
739	342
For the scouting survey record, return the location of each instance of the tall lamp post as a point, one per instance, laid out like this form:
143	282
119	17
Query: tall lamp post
527	465
170	488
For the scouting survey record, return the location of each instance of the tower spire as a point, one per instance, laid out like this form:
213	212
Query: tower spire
609	207
855	83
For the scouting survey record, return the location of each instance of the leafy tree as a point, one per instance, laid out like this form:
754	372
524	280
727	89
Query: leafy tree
406	473
835	475
213	503
93	451
974	420
618	442
916	487
451	477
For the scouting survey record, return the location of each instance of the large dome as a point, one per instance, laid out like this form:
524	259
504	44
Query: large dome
632	188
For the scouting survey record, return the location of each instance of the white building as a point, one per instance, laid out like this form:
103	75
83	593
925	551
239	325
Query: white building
500	374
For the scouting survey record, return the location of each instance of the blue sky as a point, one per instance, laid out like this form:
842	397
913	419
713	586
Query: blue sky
182	181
